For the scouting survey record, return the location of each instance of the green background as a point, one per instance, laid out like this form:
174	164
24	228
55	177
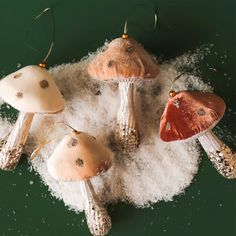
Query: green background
208	207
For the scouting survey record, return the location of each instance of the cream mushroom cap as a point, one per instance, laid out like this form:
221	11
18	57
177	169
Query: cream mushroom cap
79	156
33	90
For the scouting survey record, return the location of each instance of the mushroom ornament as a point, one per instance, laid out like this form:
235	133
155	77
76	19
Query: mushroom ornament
125	62
30	90
79	157
192	114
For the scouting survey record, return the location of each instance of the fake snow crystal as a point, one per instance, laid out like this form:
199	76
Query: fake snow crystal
156	171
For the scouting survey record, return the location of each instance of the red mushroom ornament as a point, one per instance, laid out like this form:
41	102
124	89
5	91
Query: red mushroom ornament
190	114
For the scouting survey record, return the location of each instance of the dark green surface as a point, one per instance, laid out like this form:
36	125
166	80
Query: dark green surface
208	207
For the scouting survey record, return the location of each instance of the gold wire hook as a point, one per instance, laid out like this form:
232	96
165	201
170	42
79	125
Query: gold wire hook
43	61
73	130
172	93
125	31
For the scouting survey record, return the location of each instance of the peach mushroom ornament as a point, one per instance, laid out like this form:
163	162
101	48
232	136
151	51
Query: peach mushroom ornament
79	157
190	114
125	62
30	90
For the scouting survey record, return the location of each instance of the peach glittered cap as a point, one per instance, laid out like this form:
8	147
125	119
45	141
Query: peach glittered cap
190	113
124	59
79	156
32	89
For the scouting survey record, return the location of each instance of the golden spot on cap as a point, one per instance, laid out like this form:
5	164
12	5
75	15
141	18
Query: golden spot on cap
111	63
79	162
176	103
168	127
44	84
19	95
17	75
129	49
72	142
201	112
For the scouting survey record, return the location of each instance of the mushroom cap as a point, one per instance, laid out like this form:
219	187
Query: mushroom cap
79	156
124	59
32	89
190	113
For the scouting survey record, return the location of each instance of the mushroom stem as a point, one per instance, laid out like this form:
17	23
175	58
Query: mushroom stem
127	130
12	146
98	220
222	157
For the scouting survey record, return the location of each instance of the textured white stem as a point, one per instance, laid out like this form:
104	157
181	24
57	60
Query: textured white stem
98	220
222	157
127	130
12	146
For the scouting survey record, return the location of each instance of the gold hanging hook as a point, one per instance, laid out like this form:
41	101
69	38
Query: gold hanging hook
125	31
172	93
43	61
73	130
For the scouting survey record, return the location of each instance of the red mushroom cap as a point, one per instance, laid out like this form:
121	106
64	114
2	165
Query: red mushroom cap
124	59
190	113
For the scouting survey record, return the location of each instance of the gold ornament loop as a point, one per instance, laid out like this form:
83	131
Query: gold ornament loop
43	61
125	31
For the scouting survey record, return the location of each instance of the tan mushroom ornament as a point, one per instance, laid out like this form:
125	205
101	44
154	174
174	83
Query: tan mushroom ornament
79	157
125	62
29	90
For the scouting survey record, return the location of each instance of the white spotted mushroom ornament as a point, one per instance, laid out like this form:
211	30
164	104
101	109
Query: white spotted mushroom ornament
79	157
30	90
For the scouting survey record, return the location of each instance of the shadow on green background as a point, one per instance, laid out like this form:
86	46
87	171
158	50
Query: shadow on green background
208	207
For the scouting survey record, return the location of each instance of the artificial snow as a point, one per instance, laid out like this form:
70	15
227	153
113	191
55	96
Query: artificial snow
156	171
